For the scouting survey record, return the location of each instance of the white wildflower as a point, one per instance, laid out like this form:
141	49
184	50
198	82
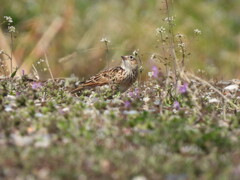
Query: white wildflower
169	19
160	30
131	112
1	51
11	29
135	52
150	74
181	45
146	99
214	100
8	19
197	31
105	40
153	56
66	109
179	35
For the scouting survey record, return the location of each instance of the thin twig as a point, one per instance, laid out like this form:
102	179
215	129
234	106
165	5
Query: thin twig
4	44
107	50
215	89
11	53
224	110
49	69
35	72
172	42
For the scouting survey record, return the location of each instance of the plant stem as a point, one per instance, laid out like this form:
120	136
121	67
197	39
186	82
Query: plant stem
106	44
11	53
49	69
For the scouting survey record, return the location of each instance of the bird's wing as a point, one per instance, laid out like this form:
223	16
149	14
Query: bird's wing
104	77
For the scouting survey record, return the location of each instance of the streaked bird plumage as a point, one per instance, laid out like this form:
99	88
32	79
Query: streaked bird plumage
118	78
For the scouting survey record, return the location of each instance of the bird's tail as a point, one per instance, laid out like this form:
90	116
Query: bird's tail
88	85
76	90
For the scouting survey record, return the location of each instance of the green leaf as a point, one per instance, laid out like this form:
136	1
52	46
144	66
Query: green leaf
14	73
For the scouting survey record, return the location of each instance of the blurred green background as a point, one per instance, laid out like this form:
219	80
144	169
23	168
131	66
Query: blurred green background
61	28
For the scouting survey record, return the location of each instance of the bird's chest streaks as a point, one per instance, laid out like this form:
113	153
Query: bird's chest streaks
128	80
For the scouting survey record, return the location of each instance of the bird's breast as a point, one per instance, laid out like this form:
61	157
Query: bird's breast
130	78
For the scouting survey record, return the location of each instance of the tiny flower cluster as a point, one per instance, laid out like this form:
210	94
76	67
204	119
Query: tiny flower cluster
197	31
179	35
160	30
183	88
169	19
127	104
150	74
154	73
11	29
36	85
176	105
153	56
8	19
105	40
141	68
146	99
181	45
40	61
135	52
135	93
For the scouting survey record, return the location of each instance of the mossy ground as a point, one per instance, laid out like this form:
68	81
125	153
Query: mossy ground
46	133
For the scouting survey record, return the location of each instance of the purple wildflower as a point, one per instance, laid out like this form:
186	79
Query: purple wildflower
127	104
176	105
36	85
134	94
155	71
183	88
23	72
131	94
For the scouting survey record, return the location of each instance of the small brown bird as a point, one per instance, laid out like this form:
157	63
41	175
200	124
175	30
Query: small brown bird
119	78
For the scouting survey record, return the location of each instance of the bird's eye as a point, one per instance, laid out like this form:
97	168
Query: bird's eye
131	57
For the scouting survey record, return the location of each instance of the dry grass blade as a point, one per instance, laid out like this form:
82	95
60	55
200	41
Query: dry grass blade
49	69
43	43
68	57
5	45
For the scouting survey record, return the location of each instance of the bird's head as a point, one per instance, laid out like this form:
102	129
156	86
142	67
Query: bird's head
129	62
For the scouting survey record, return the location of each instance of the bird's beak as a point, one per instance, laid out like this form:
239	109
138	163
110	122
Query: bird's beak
124	57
